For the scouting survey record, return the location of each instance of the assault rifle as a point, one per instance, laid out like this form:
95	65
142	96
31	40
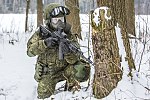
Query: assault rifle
65	44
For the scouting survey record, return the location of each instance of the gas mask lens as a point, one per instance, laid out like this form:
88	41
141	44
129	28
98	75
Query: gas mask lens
55	20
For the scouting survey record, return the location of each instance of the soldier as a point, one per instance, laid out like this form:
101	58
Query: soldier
49	69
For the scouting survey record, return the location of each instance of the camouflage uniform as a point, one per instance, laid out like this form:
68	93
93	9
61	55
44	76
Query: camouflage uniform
71	68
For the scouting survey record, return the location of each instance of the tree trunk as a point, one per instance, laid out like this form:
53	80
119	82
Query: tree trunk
106	56
123	15
130	15
126	20
105	46
27	11
39	12
1	6
73	18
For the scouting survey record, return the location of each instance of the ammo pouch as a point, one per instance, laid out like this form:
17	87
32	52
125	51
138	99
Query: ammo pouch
51	70
82	70
45	68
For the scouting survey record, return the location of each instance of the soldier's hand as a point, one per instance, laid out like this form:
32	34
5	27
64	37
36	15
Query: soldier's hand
51	42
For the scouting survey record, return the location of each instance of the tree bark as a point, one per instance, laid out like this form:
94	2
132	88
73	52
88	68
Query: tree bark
130	15
39	12
73	18
105	46
27	11
126	23
106	56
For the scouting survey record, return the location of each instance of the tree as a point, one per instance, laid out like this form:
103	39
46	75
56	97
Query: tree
39	12
73	18
105	47
106	56
27	11
127	22
1	6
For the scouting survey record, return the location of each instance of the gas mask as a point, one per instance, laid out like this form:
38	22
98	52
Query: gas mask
58	22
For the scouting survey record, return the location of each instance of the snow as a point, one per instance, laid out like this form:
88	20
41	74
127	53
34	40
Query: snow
17	69
97	13
122	52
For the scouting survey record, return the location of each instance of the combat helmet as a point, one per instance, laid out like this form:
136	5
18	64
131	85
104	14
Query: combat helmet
55	10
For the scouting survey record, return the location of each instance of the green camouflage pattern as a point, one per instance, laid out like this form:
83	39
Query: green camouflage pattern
54	69
82	70
48	9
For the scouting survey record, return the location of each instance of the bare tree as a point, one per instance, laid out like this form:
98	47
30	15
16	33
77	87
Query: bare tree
127	22
124	15
74	18
1	6
105	46
39	12
106	56
27	11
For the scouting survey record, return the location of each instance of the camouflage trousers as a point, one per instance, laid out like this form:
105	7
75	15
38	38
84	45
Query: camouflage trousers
48	81
73	74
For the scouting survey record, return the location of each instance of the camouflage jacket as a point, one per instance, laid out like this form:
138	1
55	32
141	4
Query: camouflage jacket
49	56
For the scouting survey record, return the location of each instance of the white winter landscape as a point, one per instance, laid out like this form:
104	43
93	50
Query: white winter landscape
17	69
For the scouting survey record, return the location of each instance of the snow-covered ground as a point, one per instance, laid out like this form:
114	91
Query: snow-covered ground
17	69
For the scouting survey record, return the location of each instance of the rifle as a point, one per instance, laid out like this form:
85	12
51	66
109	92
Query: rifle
63	41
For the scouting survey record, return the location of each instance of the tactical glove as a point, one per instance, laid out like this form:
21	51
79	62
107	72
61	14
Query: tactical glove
51	42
